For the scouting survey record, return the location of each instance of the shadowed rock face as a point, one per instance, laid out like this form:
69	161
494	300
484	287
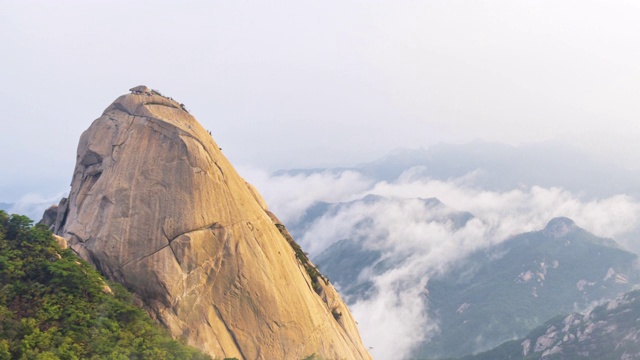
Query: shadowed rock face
156	206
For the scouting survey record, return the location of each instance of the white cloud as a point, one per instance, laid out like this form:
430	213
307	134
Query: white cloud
33	205
411	235
290	195
401	316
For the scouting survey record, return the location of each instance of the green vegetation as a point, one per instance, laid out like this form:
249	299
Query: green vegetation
312	271
53	305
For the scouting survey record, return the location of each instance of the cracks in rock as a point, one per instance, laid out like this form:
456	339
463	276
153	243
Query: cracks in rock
164	232
206	319
219	168
204	147
121	107
161	104
175	255
80	240
126	131
63	221
195	166
206	227
163	285
142	258
233	335
214	263
216	270
90	169
179	131
183	133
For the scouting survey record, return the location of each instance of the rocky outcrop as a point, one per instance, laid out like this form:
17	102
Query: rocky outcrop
156	206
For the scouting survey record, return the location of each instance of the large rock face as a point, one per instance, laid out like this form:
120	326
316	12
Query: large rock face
156	206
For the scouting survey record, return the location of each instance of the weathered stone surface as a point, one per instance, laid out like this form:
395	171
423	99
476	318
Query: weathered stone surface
49	217
155	205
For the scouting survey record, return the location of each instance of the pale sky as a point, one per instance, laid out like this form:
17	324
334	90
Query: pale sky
285	84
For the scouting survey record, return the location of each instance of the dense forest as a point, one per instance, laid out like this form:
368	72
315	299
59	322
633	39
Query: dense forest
53	305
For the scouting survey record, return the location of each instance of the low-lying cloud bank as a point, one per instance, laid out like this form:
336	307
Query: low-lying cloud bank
413	237
291	196
33	205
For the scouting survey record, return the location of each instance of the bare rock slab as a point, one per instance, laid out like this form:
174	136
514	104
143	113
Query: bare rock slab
156	206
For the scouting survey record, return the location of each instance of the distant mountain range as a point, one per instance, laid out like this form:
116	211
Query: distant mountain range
609	331
495	294
506	290
499	166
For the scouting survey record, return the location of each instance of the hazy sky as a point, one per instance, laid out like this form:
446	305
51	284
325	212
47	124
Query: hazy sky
286	84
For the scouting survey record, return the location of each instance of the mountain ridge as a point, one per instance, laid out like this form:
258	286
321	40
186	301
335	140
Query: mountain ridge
610	330
506	290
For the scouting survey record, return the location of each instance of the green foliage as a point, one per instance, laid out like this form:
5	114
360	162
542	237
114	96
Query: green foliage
53	305
311	270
